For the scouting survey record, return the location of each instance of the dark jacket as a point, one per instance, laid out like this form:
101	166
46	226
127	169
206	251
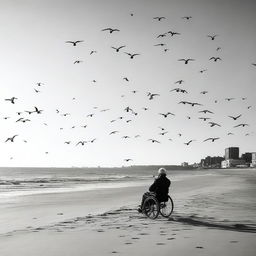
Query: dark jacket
161	188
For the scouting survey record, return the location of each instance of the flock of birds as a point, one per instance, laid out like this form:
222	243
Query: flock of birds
205	114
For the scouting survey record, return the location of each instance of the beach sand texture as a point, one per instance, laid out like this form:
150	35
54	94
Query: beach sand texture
214	215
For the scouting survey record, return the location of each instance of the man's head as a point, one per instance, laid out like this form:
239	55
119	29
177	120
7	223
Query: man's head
162	172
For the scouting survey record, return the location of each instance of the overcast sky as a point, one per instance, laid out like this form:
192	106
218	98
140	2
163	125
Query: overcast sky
33	50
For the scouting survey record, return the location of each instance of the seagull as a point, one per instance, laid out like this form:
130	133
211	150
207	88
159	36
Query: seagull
77	61
159	18
90	115
212	37
74	43
179	90
161	128
37	110
81	142
218	48
205	111
11	138
186	60
173	33
37	91
229	99
187	143
243	125
202	71
204	118
214	124
126	79
111	30
67	142
203	92
39	84
12	100
163	133
113	132
128	159
161	35
23	120
154	141
126	137
194	104
152	95
93	52
165	115
118	48
235	117
215	58
132	55
179	81
230	133
187	17
212	139
161	44
184	102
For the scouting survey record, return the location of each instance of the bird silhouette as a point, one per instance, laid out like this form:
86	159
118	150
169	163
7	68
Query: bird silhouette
113	132
212	139
163	133
179	90
230	133
203	92
215	58
194	104
126	79
204	118
11	139
118	48
111	30
132	55
93	52
161	35
82	142
77	61
202	71
229	99
159	18
179	81
243	125
161	44
128	159
235	117
152	95
187	17
187	143
212	37
12	100
173	33
67	142
39	84
154	141
74	43
186	60
206	111
212	124
38	111
165	115
37	91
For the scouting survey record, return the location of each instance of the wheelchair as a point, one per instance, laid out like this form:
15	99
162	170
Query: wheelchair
152	207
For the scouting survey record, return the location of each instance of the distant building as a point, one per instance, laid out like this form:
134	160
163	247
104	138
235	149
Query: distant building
231	153
233	163
211	162
247	157
253	163
184	164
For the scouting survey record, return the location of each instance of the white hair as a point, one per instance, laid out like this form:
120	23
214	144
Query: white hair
162	171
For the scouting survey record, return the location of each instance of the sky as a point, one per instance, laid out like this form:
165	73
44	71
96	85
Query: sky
86	101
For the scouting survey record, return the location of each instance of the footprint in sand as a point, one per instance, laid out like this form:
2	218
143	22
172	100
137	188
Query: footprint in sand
199	247
170	238
160	243
114	252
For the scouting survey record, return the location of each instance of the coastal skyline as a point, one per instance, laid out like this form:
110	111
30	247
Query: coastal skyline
94	103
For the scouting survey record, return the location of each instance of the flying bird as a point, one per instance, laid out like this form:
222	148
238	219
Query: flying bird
179	81
212	37
212	139
187	143
12	100
154	141
205	111
214	124
215	58
235	117
159	18
132	55
165	115
128	159
118	48
77	61
186	60
243	125
173	33
74	43
204	118
187	17
11	139
152	95
111	30
82	142
229	99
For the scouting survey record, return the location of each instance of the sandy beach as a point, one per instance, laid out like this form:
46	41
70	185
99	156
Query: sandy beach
214	215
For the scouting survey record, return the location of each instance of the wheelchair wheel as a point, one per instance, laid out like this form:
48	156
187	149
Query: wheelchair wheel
166	208
151	207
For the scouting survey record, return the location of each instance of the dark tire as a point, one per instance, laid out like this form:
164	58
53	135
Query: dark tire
151	207
166	208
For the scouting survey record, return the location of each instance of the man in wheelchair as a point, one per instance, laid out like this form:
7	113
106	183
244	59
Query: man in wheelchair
160	188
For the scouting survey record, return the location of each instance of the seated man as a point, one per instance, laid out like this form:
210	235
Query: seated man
160	188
